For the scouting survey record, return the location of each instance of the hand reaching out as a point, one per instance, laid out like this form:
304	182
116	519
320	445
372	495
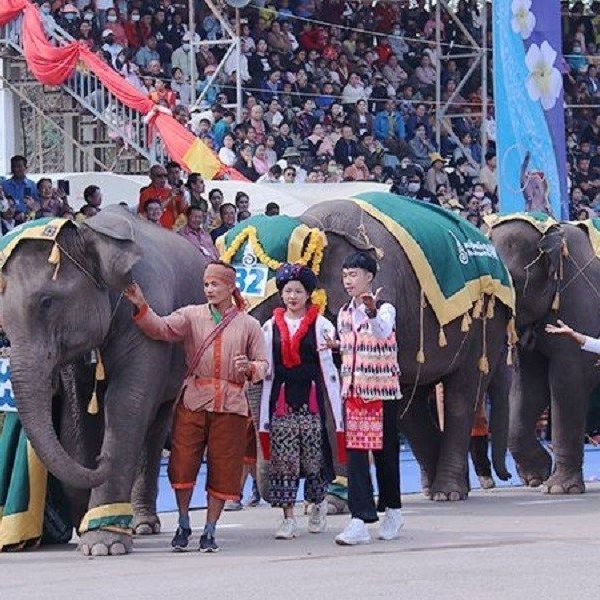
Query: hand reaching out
560	329
329	343
133	293
370	301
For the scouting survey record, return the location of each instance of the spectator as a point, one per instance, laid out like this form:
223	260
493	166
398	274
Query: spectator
346	149
184	60
110	46
172	203
425	73
272	176
243	215
153	211
354	91
195	190
21	189
272	209
181	88
195	233
362	120
245	164
227	213
147	54
85	212
283	141
289	175
213	218
487	175
466	151
227	153
358	170
162	94
436	175
389	127
242	201
8	219
115	24
421	147
93	196
259	161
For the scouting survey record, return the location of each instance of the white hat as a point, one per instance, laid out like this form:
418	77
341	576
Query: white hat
107	32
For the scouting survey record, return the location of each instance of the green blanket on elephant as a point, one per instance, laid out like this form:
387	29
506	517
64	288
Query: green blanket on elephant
592	228
454	262
32	509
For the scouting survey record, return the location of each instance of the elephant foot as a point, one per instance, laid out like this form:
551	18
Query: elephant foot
146	524
562	483
105	543
535	469
452	492
336	505
486	482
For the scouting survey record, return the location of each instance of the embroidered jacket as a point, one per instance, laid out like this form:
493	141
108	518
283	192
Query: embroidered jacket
369	351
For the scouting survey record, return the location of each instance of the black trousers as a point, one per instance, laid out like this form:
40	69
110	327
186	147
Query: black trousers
387	468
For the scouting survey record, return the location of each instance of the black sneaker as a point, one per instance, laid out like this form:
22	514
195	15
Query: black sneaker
208	544
181	538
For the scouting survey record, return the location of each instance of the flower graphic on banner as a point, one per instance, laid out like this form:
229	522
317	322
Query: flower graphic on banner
544	81
523	20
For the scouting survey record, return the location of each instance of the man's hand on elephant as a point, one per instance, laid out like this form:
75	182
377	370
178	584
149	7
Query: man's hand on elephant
133	293
370	302
563	329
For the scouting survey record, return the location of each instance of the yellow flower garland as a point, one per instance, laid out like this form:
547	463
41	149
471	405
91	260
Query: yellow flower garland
312	256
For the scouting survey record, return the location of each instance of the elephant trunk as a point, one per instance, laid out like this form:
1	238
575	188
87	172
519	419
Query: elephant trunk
33	394
498	391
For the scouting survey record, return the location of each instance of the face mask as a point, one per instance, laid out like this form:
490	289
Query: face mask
135	18
413	187
70	16
479	195
186	47
577	50
112	18
88	16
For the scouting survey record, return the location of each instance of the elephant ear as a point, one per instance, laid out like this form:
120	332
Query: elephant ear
110	242
551	246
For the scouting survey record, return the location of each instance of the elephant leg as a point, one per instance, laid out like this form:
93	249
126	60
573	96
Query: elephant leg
460	391
130	405
145	488
569	408
529	396
423	435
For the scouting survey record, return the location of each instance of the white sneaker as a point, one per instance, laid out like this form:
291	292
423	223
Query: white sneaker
287	530
391	525
356	532
317	521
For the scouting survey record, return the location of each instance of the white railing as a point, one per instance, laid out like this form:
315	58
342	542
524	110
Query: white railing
90	93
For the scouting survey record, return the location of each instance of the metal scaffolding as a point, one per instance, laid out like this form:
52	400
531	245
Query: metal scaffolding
479	52
232	41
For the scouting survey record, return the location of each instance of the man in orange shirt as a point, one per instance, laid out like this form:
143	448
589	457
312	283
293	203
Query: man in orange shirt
171	200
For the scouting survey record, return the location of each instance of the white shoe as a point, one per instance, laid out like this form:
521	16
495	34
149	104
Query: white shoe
317	521
356	532
287	530
391	525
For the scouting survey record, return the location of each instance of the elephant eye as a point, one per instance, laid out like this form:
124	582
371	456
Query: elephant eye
46	302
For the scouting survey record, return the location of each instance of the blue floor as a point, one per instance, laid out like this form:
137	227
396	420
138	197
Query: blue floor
410	478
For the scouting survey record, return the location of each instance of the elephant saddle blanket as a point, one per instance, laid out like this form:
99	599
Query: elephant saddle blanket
47	228
455	263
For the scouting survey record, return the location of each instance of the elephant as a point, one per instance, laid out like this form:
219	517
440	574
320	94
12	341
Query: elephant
54	314
556	275
442	458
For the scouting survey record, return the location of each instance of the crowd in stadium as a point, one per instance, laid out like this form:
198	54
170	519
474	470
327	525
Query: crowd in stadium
339	91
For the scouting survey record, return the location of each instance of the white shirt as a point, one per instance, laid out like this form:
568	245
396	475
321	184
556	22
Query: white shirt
591	345
382	325
227	156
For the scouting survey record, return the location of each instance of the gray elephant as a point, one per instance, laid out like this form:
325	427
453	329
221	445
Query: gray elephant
442	458
556	275
55	313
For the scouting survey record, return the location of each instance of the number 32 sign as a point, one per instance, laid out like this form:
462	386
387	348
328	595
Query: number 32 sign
252	281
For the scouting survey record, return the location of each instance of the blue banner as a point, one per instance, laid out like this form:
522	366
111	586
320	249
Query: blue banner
528	95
